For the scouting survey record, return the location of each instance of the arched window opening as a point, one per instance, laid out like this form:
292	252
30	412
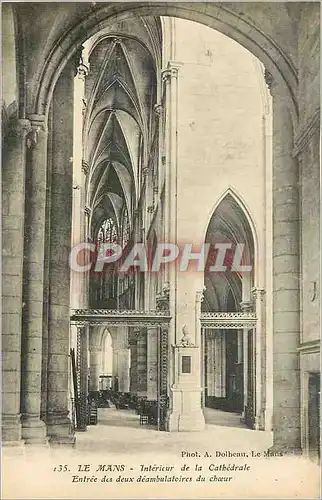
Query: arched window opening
106	362
104	286
226	290
107	233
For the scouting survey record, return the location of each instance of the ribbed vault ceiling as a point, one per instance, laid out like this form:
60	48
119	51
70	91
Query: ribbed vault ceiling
121	93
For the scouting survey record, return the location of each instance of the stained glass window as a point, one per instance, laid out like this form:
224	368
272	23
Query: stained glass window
107	232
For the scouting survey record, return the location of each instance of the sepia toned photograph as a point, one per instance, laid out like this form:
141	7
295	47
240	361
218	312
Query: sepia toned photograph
160	250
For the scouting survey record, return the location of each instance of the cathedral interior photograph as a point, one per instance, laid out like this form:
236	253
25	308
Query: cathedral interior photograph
161	225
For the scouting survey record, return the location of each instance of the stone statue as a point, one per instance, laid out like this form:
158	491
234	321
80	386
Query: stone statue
185	341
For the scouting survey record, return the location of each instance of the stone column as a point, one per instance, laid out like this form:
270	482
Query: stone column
58	422
169	162
33	428
123	369
220	364
286	283
115	365
246	306
142	363
82	375
13	209
203	367
210	364
95	353
245	371
121	360
133	366
260	366
43	406
152	363
239	346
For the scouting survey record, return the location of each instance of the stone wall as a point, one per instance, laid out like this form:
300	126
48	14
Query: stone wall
308	142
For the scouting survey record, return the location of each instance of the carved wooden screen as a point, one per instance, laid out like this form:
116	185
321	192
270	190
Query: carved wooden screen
250	408
163	377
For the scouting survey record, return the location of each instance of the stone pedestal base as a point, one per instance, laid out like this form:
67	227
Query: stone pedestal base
11	430
13	448
260	421
282	450
190	417
65	441
60	431
34	431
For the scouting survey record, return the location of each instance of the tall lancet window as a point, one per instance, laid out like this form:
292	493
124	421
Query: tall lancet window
126	230
107	232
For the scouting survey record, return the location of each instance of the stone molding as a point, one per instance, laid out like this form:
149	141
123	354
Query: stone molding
113	317
304	135
37	124
228	320
310	347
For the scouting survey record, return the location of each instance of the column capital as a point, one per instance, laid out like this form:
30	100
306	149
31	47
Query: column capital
81	66
37	124
95	348
200	294
145	171
132	339
87	211
258	293
158	109
85	167
82	71
171	71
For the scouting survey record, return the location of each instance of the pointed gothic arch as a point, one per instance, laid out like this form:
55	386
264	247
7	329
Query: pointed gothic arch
231	223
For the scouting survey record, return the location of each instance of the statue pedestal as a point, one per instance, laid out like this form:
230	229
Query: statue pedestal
186	413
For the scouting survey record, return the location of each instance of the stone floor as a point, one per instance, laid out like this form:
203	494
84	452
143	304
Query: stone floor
120	442
119	427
